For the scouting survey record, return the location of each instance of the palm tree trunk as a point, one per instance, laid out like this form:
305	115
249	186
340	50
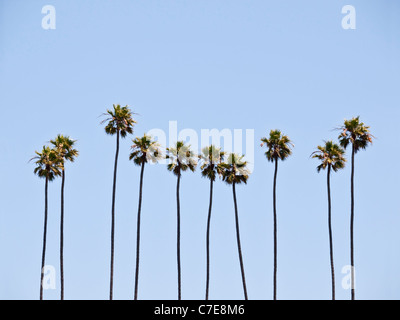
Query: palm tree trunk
178	249
138	231
275	230
330	232
44	237
208	239
113	219
62	236
352	226
238	242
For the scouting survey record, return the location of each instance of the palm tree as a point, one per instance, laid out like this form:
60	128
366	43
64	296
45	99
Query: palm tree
211	158
279	148
331	156
48	167
64	146
120	122
234	171
357	133
182	159
144	149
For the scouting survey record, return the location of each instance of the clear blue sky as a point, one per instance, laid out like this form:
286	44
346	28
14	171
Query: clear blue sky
206	64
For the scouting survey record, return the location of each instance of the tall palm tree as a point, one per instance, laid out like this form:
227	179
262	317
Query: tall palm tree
181	159
279	148
144	149
331	156
234	171
211	158
64	146
48	167
358	135
120	122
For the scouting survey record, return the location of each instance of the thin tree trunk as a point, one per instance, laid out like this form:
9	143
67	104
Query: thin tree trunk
238	242
208	239
44	237
352	226
138	232
113	219
178	249
275	230
330	231
62	236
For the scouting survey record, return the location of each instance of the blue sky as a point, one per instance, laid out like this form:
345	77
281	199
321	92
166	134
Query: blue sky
234	64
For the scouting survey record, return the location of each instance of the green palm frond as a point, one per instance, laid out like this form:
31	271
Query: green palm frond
278	146
210	158
234	169
119	119
48	163
181	158
331	154
355	132
64	146
145	149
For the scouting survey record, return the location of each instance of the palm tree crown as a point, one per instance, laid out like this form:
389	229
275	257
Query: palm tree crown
279	146
331	154
119	120
211	158
355	132
64	145
182	158
48	164
144	150
234	170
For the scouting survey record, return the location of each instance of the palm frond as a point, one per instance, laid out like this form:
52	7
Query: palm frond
234	169
48	163
278	146
120	119
64	146
181	158
330	155
145	149
355	132
210	158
